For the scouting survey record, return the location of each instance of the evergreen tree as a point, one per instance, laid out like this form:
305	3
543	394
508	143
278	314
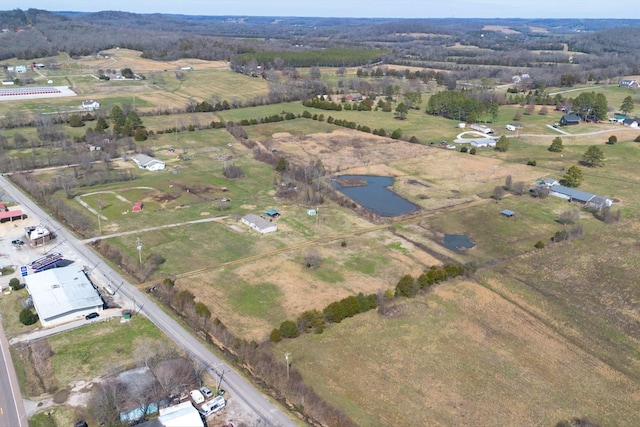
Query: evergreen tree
101	124
593	157
503	144
117	116
627	105
556	145
573	177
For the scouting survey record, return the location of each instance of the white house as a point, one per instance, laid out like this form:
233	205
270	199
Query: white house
149	163
90	105
259	224
62	295
21	69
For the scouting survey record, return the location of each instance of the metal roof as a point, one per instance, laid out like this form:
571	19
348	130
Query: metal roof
61	291
579	195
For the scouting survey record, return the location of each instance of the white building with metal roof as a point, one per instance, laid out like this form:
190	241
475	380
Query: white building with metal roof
62	295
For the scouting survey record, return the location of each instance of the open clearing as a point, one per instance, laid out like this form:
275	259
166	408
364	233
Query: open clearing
461	355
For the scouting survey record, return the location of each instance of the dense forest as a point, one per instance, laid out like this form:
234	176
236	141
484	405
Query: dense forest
590	50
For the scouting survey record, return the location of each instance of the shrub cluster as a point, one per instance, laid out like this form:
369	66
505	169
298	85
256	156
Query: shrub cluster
314	321
408	287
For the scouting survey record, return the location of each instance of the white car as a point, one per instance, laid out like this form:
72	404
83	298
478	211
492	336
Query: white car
196	396
206	392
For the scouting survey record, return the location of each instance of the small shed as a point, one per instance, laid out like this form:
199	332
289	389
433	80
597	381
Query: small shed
137	207
508	213
272	213
312	212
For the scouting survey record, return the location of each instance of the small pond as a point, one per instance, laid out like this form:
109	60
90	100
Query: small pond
372	193
457	242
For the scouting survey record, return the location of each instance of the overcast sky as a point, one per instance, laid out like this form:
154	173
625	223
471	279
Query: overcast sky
353	8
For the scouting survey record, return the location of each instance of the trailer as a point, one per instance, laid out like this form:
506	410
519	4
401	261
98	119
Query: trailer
482	128
48	261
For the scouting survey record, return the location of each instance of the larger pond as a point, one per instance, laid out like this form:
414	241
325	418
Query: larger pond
372	193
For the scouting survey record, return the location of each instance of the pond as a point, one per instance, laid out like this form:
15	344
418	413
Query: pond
372	193
457	242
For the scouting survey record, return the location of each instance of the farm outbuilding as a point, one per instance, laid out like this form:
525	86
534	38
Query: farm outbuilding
137	207
147	162
259	224
272	213
508	213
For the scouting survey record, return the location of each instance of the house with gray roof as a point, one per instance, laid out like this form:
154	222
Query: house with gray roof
578	196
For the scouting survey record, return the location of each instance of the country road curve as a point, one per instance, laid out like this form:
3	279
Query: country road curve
241	389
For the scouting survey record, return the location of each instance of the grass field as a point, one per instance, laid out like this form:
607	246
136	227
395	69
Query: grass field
97	349
461	355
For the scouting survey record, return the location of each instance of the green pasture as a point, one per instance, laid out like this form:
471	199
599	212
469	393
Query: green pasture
57	416
10	307
261	301
190	247
95	349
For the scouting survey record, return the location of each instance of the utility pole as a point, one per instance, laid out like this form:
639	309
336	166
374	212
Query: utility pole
139	248
99	224
286	358
220	375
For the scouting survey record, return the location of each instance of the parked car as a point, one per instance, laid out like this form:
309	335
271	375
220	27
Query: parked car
17	242
91	316
207	393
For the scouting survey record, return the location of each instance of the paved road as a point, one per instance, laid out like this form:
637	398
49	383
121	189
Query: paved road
12	413
245	393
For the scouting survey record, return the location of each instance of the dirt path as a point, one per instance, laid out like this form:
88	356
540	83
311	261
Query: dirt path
159	227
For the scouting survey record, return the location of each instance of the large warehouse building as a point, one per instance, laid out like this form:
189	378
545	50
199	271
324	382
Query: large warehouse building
62	295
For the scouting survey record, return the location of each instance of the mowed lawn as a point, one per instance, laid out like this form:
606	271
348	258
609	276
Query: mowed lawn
461	355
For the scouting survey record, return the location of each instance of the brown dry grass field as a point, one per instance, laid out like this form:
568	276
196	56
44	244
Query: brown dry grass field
461	355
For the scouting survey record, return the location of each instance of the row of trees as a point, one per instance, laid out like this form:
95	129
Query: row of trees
462	106
315	321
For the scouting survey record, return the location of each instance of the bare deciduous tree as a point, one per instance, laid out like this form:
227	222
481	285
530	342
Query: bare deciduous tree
313	259
568	217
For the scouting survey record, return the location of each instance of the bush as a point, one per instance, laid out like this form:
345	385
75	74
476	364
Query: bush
531	163
464	149
28	317
289	329
612	140
539	244
275	335
15	284
637	138
473	151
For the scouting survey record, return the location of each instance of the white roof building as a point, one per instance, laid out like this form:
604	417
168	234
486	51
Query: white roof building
90	105
180	415
259	224
147	162
62	295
